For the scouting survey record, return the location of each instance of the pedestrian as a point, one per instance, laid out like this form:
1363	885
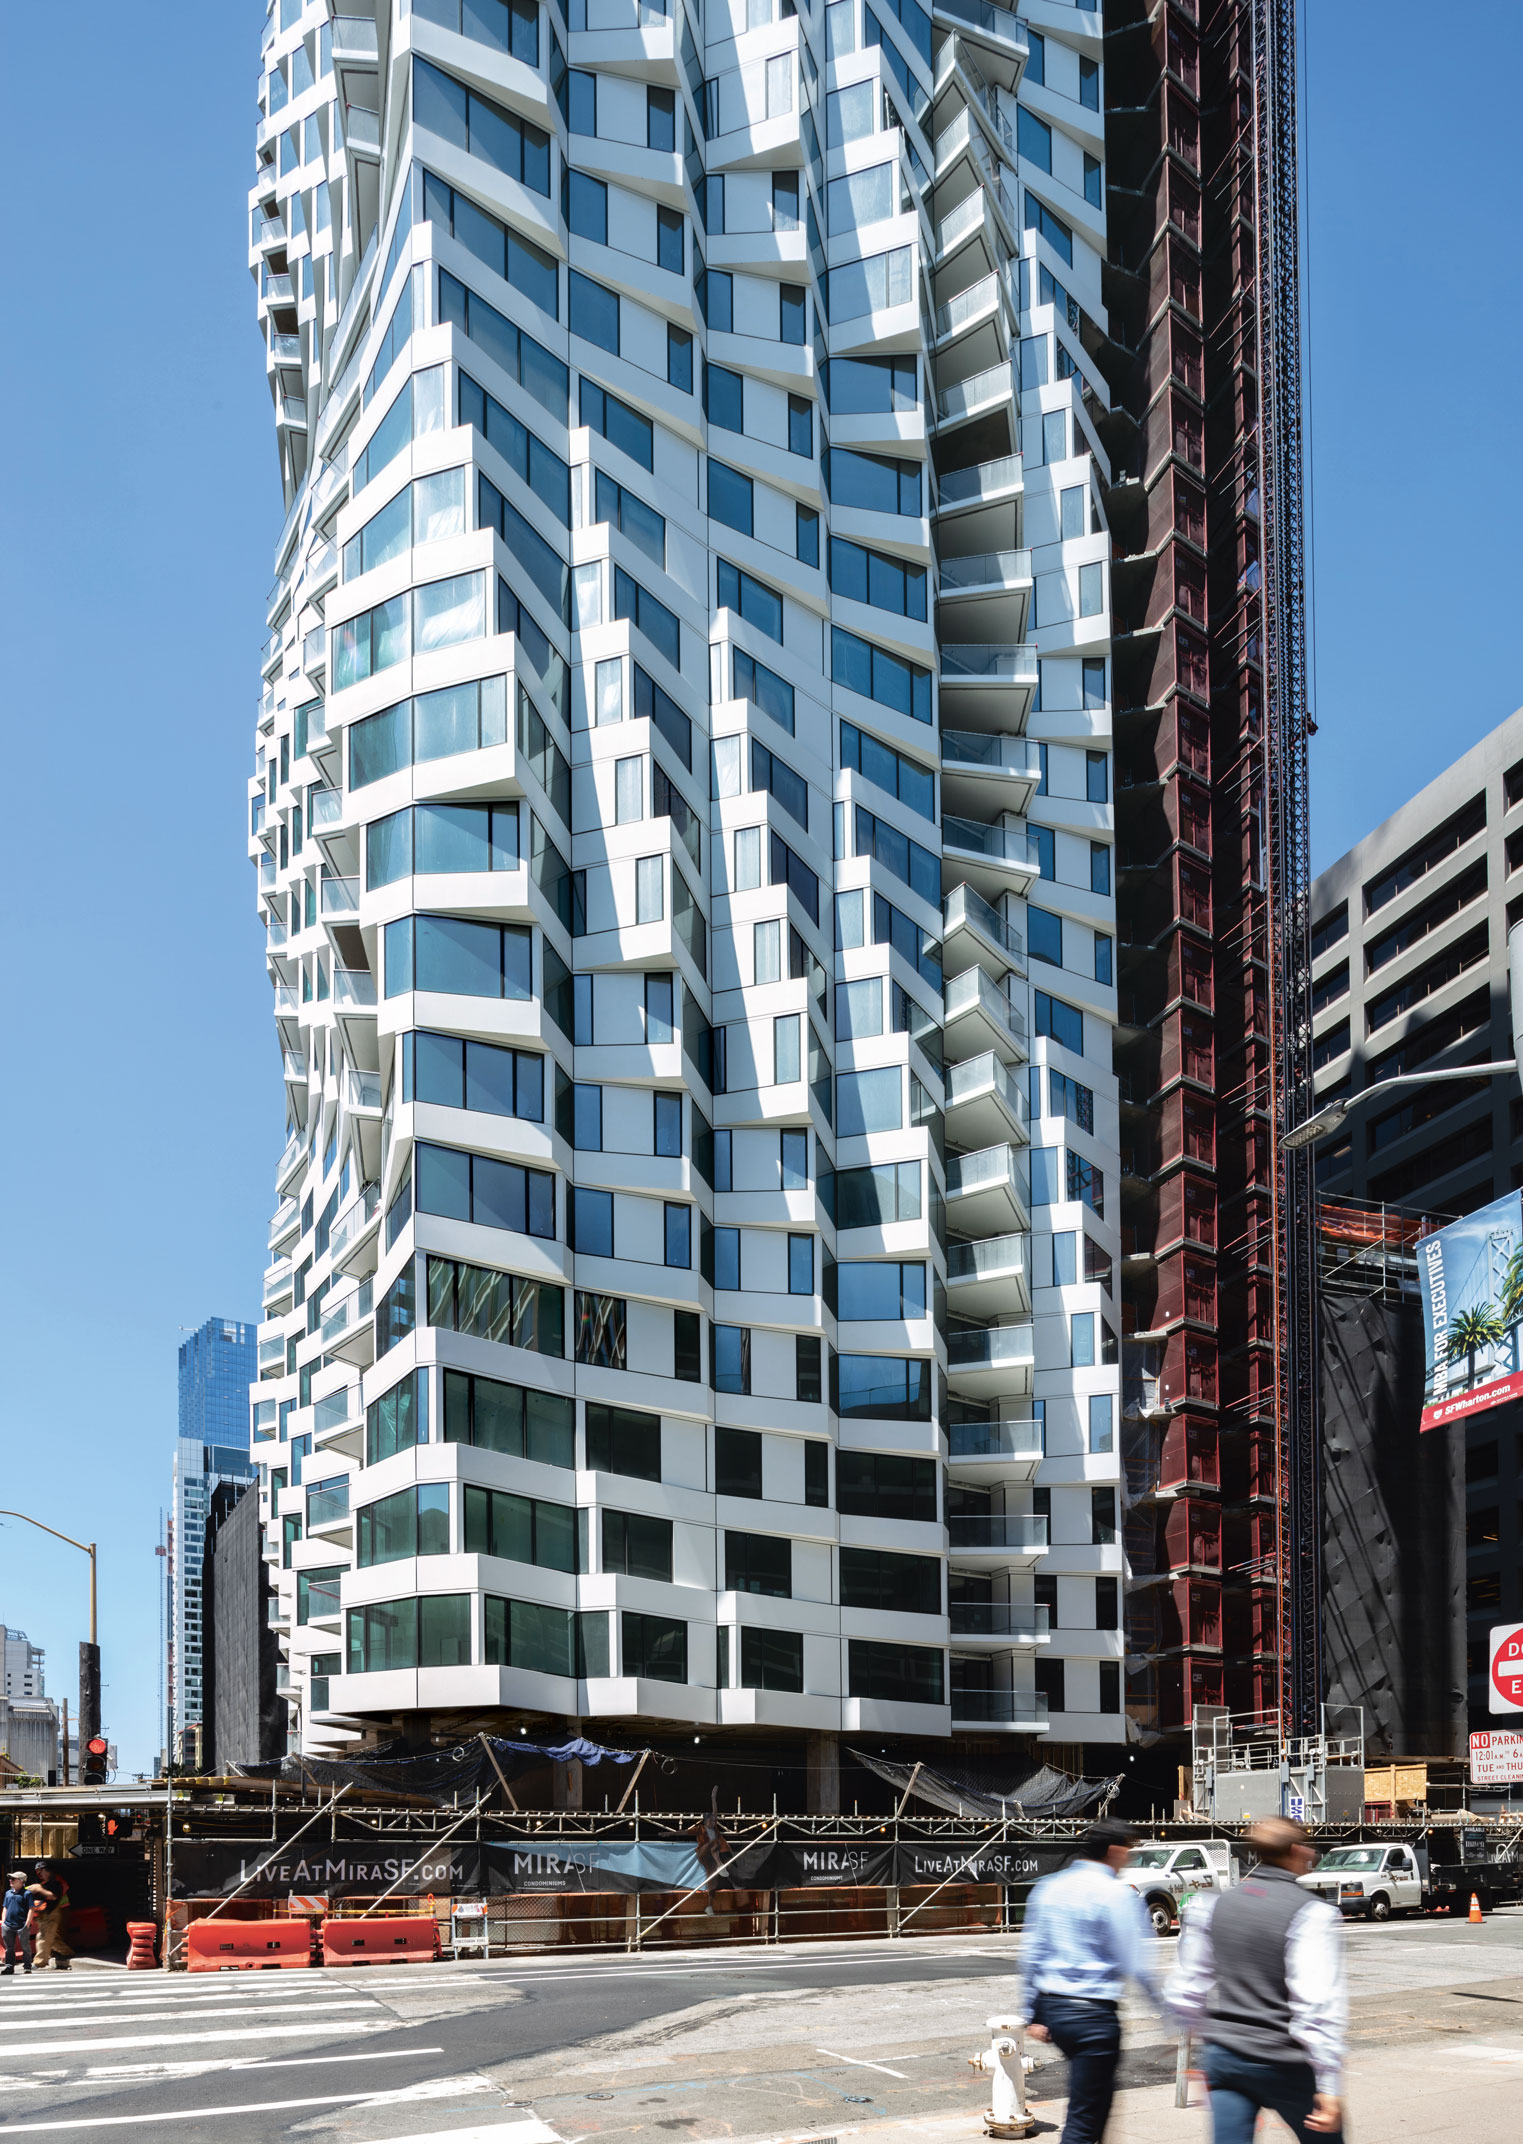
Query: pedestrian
1085	1936
1260	1982
53	1895
15	1923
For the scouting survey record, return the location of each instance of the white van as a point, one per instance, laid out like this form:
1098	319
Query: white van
1166	1876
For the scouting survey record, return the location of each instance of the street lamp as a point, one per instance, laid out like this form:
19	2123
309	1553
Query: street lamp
89	1655
1331	1116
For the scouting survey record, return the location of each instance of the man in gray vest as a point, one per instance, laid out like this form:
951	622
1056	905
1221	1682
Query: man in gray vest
1260	1981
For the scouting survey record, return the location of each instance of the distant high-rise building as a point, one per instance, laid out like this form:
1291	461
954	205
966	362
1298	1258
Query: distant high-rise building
23	1665
218	1363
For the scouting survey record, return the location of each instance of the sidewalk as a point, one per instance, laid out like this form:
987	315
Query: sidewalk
1467	2090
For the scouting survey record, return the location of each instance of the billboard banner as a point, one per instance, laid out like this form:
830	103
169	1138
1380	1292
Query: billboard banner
1496	1760
1472	1280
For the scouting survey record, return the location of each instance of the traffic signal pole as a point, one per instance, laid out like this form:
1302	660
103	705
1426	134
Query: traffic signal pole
89	1653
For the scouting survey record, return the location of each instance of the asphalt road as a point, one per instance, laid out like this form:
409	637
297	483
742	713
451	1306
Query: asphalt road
735	2044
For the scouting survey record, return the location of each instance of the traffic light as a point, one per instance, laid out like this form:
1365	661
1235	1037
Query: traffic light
92	1771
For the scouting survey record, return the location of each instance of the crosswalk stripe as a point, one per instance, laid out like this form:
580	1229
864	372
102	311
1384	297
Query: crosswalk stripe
344	2003
171	2072
11	2049
438	2088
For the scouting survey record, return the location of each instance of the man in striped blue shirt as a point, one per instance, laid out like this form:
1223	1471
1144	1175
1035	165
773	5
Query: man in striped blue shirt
1085	1936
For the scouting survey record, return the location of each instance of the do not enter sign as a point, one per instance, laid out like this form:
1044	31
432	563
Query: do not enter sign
1506	1685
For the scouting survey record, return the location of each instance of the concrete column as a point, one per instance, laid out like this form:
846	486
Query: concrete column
823	1774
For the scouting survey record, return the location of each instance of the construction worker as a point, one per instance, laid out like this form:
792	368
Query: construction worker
1261	1983
1085	1936
52	1893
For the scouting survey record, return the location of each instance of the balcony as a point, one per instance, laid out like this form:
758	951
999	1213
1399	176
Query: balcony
1001	1535
294	1068
338	1423
985	593
292	1157
988	662
991	1362
353	986
353	1239
983	1017
286	1005
990	1277
347	1330
987	768
977	395
997	30
275	289
989	1193
328	1505
277	1285
354	40
266	873
987	1105
978	322
998	859
1025	1623
285	1224
362	1092
272	1353
976	934
981	484
1011	1447
1019	1709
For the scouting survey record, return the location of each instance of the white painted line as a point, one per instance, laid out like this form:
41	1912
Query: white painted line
439	2088
156	2017
138	2072
857	2063
1492	2054
518	2131
55	2048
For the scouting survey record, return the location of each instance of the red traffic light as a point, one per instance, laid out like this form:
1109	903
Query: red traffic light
97	1746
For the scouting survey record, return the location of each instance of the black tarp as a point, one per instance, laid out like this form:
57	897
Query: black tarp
464	1769
1041	1790
1393	1629
243	1716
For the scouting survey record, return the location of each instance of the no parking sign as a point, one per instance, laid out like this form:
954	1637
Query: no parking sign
1505	1681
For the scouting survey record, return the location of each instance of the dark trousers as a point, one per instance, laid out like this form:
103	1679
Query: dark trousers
18	1938
1088	2034
1239	2087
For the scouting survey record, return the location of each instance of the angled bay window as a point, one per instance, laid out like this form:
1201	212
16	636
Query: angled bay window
317	1594
525	453
623	1440
430	838
771	1659
422	512
895	1674
876	483
438	615
751	599
637	1545
731	497
630	515
541	1640
540	560
458	957
459	1074
759	1563
916	867
594	312
654	620
433	725
398	1419
892	1388
497	1306
893	772
513	146
878	675
510	26
654	1646
871	386
876	1578
487	1192
520	1529
518	1420
414	1522
601	1330
523	359
751	680
620	425
873	577
430	1631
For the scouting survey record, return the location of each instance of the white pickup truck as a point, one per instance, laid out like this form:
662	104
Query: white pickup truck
1166	1876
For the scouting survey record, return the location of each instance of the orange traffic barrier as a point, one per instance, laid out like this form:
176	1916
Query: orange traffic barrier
1476	1914
142	1935
359	1941
216	1946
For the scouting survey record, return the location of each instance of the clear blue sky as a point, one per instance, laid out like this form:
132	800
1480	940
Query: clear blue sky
141	1080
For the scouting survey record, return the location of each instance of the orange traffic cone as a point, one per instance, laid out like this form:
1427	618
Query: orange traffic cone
1476	1915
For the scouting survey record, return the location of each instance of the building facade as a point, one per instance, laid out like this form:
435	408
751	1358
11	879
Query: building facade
1409	945
24	1665
683	814
217	1364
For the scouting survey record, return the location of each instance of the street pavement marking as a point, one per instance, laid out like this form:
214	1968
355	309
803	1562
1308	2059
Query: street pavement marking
518	2130
857	2063
169	2072
1491	2054
436	2088
159	2017
11	2049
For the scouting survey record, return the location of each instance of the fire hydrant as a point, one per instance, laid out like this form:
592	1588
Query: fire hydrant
1005	2063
